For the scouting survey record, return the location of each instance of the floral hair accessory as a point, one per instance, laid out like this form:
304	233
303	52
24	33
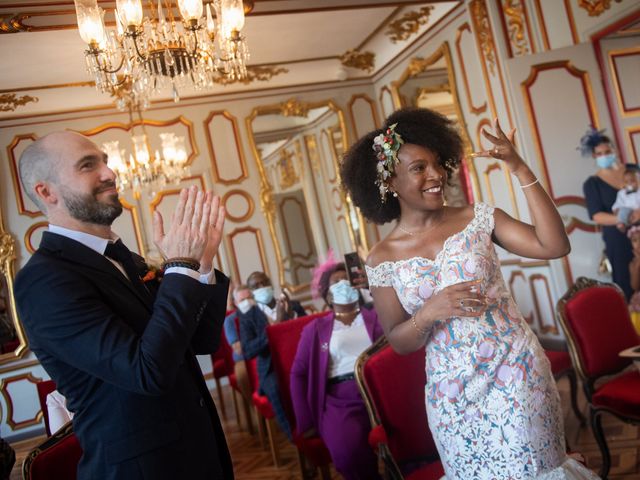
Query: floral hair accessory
590	140
633	230
386	146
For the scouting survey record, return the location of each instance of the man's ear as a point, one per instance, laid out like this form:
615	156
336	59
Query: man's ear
46	193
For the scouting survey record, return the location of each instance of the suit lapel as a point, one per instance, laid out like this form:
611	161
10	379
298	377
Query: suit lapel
75	252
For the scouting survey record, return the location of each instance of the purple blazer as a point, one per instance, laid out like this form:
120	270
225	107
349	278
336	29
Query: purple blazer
310	366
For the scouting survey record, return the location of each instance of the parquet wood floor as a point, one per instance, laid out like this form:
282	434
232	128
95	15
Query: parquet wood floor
252	462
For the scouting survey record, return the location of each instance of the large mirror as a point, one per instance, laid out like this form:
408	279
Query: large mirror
13	342
430	83
297	147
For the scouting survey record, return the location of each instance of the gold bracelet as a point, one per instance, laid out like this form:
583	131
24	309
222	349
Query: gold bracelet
415	324
530	184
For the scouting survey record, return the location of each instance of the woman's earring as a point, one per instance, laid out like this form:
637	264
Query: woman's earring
395	194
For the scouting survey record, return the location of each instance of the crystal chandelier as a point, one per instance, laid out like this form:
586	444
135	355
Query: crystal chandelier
144	171
159	52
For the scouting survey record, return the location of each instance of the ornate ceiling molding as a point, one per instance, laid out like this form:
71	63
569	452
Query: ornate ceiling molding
596	8
294	108
361	60
10	101
255	73
484	36
409	24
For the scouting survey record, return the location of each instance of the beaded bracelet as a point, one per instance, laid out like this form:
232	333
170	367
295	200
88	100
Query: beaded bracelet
415	324
184	262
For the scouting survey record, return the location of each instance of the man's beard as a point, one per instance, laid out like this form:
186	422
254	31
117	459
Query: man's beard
87	208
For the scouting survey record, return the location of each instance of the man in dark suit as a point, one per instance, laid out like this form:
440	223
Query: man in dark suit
122	355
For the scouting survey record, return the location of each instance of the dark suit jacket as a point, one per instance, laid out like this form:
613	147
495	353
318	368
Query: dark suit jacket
253	338
127	365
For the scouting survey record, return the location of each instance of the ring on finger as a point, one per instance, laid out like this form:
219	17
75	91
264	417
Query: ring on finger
462	303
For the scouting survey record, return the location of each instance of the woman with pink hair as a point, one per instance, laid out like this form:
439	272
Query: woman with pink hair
324	392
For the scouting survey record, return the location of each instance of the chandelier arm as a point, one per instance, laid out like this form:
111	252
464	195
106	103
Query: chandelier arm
135	44
104	69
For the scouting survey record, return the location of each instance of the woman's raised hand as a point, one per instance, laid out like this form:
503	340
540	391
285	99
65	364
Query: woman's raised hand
503	148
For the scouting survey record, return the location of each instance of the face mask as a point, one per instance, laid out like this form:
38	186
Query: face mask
263	295
606	161
342	293
245	305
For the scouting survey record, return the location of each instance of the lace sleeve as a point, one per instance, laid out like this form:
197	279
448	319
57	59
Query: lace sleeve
484	216
380	275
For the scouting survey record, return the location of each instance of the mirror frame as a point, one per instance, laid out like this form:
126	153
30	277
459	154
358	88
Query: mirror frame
418	65
7	259
293	107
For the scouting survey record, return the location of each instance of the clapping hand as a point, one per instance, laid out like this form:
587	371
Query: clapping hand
196	228
503	148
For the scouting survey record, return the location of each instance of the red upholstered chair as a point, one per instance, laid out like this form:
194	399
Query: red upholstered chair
56	457
222	363
392	386
283	342
45	387
561	367
596	323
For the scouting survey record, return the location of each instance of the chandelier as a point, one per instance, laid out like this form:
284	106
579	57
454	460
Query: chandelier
158	52
142	170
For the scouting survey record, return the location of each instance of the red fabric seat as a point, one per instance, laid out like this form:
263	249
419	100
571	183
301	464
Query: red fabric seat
44	388
596	322
283	342
222	365
560	361
392	386
57	457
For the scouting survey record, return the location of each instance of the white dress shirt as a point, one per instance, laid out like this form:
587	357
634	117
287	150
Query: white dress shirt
346	345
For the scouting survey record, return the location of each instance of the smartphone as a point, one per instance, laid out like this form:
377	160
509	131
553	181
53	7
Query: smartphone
355	270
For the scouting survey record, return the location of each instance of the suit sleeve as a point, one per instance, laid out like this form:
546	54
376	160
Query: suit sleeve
206	338
298	309
253	333
300	381
67	317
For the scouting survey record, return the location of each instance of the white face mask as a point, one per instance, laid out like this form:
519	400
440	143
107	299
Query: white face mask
342	293
245	305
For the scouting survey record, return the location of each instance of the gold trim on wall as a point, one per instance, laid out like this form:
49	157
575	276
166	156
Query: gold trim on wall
595	8
9	401
487	181
372	106
465	81
250	205
157	200
137	227
409	24
512	278
633	110
354	58
234	257
313	159
15	176
10	101
151	123
542	25
27	235
384	89
572	22
7	262
238	142
484	35
518	30
526	85
630	132
544	328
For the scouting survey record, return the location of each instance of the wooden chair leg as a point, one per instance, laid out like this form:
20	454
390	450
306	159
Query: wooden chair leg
221	399
598	433
272	442
248	415
573	388
235	407
261	429
325	473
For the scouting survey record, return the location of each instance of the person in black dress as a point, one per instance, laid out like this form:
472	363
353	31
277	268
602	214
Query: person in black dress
600	192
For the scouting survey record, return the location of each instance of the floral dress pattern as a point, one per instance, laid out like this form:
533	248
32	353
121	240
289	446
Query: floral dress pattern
492	403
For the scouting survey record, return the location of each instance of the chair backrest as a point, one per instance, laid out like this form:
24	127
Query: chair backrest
283	342
57	457
223	355
252	371
44	388
595	319
392	387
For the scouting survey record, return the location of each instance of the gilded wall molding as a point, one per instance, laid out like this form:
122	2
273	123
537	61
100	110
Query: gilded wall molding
363	97
595	8
255	73
484	35
544	327
465	80
15	176
28	243
257	234
217	177
288	175
515	274
10	101
4	384
354	58
235	216
294	108
516	22
408	24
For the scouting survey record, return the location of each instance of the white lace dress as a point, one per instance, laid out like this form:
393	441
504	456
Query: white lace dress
492	403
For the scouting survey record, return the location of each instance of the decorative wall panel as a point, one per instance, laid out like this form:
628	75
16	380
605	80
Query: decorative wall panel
247	253
21	397
625	72
521	294
228	163
516	26
33	235
363	113
239	205
467	58
23	203
544	303
633	140
166	200
386	101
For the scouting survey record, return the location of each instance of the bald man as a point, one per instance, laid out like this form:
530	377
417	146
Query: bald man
120	351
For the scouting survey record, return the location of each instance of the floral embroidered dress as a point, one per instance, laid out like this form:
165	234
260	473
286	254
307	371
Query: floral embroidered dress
492	403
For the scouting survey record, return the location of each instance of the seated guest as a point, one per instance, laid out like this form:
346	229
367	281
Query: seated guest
324	392
57	410
243	301
253	338
276	310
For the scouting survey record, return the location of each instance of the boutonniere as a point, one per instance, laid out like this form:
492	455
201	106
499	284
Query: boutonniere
154	273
